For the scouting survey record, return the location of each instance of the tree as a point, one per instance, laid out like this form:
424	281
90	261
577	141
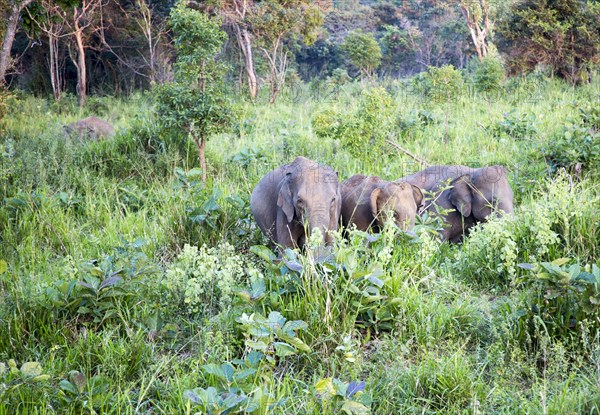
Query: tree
81	22
272	22
477	15
235	14
363	51
193	103
11	15
565	35
50	22
153	30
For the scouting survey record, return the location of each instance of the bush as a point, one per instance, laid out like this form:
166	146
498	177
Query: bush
202	281
537	233
488	75
576	145
440	84
516	125
363	51
365	131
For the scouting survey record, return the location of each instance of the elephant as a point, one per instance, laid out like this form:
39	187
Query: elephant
90	127
474	195
366	201
295	198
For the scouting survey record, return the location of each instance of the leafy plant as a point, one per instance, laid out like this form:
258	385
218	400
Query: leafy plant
363	132
81	392
442	84
274	336
563	296
203	280
363	51
337	396
103	286
193	104
576	145
488	75
516	125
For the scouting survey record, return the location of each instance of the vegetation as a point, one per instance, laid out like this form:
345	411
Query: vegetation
133	276
363	51
129	285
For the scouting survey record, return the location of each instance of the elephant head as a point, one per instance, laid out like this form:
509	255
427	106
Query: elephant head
401	199
309	197
481	193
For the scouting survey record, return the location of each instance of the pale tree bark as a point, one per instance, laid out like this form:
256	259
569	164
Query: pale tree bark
54	30
81	25
55	73
153	31
235	13
476	13
245	44
9	36
277	60
80	62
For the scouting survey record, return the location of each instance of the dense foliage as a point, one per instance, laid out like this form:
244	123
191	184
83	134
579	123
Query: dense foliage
129	285
128	45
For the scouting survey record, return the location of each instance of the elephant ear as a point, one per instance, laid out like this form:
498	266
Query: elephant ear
284	200
461	195
374	196
417	195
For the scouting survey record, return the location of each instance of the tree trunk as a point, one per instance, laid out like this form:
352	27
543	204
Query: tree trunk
243	38
9	37
55	78
201	146
81	69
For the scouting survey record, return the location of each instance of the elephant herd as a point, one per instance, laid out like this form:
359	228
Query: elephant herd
303	196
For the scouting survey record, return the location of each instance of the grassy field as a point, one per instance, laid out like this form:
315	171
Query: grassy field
129	286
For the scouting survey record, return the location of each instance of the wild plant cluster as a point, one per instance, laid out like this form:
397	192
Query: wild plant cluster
130	285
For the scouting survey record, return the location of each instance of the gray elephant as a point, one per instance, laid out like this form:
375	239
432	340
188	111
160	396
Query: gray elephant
474	195
366	200
90	127
297	197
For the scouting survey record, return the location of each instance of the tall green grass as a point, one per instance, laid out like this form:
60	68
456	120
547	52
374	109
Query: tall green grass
430	327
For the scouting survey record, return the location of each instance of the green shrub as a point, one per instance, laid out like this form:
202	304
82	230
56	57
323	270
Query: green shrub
516	125
365	131
202	281
563	296
576	145
488	75
363	51
440	84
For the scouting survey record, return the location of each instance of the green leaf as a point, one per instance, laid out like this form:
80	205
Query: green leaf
295	341
31	369
40	378
324	388
294	325
263	252
67	386
276	320
256	345
224	372
283	349
340	387
3	369
97	272
355	408
3	266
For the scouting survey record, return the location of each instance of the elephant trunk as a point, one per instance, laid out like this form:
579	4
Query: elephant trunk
318	218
